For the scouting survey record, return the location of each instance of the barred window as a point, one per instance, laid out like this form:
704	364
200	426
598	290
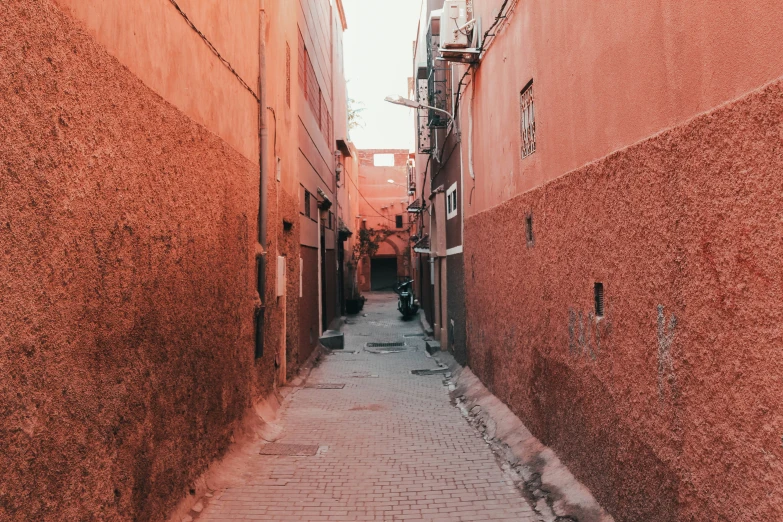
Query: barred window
307	203
398	221
527	120
302	64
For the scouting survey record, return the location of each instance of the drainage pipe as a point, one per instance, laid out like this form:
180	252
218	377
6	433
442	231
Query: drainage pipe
470	132
263	133
260	308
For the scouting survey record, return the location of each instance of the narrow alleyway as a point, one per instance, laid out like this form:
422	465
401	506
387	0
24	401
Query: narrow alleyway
390	444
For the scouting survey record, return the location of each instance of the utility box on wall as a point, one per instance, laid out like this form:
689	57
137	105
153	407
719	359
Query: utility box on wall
280	276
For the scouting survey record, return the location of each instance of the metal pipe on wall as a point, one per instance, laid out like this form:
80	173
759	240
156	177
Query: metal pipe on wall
263	133
261	252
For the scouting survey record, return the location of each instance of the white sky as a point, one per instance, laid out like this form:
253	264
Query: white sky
378	62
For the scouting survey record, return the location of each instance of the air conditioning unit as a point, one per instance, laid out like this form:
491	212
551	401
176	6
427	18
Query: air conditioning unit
454	28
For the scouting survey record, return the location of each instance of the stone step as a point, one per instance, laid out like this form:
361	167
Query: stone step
333	340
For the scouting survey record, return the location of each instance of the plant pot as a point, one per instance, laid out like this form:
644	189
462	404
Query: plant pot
353	306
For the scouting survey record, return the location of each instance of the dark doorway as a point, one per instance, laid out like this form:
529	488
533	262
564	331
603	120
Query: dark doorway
341	277
324	305
383	273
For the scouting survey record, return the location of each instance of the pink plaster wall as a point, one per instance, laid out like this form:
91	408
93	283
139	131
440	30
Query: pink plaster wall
667	408
155	43
606	75
377	192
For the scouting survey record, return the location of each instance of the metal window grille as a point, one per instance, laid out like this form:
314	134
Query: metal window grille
398	221
313	92
322	119
302	64
438	81
527	120
307	204
599	299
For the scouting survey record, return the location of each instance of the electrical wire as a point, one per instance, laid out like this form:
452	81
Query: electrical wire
499	23
215	51
368	203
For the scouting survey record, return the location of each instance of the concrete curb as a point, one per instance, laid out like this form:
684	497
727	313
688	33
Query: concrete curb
424	324
553	491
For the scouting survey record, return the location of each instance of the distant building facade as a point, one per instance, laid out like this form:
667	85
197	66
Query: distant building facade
384	218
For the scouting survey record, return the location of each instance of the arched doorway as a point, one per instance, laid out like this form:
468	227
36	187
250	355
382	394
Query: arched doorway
384	266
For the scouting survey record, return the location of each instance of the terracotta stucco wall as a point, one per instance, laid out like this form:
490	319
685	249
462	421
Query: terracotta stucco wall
668	406
378	193
126	312
606	75
155	43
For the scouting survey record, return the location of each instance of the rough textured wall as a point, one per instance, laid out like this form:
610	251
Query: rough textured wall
288	245
157	45
605	76
668	407
125	287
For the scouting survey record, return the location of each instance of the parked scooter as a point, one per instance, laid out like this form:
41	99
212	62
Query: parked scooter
407	303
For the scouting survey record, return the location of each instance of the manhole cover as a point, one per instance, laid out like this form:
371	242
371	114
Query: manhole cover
414	335
290	450
327	386
436	371
384	345
381	351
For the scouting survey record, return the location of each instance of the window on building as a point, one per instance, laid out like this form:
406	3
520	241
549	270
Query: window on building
527	120
313	94
451	201
383	160
307	204
302	64
398	221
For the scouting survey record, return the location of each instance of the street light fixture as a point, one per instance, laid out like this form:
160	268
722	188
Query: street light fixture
405	102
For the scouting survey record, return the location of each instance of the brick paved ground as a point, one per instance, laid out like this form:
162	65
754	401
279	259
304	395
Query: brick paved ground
392	446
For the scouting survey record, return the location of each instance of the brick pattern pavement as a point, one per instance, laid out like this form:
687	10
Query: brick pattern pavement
392	447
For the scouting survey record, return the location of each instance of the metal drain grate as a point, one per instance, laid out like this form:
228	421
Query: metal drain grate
436	371
384	345
289	450
327	386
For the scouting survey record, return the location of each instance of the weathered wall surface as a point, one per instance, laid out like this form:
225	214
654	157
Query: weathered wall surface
381	201
171	59
668	407
126	287
606	75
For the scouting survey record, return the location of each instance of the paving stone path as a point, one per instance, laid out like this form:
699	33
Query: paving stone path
391	446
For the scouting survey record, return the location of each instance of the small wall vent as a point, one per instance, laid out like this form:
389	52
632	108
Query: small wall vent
598	290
